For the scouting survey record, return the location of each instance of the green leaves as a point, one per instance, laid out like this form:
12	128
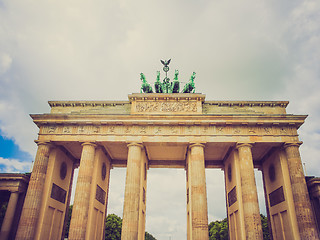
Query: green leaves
218	230
113	227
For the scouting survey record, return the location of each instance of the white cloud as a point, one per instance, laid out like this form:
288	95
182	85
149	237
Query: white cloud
14	166
5	63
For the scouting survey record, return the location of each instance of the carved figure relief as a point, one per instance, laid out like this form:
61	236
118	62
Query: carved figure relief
173	130
267	130
220	129
165	130
67	129
96	129
158	130
205	130
52	129
283	130
128	129
143	130
111	129
166	107
189	130
81	129
237	130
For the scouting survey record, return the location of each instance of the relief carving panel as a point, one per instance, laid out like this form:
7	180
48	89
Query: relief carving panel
166	106
149	130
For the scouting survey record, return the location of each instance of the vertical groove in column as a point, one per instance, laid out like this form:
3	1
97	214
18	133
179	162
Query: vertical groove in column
32	203
249	193
79	218
130	223
304	212
198	193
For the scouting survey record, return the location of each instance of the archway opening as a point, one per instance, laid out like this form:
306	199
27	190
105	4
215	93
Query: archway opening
215	194
166	216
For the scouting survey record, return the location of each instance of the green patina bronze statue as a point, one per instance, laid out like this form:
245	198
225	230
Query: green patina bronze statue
189	87
166	86
175	85
158	85
145	87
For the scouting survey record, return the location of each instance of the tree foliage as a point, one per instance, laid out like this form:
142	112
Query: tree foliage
66	233
265	227
218	230
148	236
113	227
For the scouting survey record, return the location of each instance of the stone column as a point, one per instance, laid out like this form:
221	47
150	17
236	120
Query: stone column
198	193
32	204
78	224
250	202
130	223
8	218
304	213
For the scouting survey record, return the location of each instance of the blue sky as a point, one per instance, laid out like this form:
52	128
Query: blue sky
12	158
95	50
9	149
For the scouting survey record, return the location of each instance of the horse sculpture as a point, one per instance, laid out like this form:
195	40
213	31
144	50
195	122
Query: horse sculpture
145	87
175	85
189	87
158	85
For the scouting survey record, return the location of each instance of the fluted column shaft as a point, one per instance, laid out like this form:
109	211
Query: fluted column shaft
80	209
304	212
32	204
8	218
251	210
198	193
130	223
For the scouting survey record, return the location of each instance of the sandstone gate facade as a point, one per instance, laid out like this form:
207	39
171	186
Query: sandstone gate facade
167	130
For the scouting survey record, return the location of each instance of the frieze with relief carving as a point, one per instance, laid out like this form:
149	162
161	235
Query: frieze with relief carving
175	107
168	130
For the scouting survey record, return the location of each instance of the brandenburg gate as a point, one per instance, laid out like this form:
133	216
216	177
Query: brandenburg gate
173	130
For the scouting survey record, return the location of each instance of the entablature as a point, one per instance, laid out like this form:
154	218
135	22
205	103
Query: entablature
227	119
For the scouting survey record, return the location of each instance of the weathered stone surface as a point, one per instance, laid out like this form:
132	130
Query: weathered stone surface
173	130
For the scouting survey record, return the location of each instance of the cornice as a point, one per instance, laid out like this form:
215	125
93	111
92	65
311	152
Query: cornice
118	119
85	103
181	97
283	104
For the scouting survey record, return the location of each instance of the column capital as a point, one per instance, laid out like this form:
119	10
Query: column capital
244	144
47	143
138	144
89	143
197	144
292	144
